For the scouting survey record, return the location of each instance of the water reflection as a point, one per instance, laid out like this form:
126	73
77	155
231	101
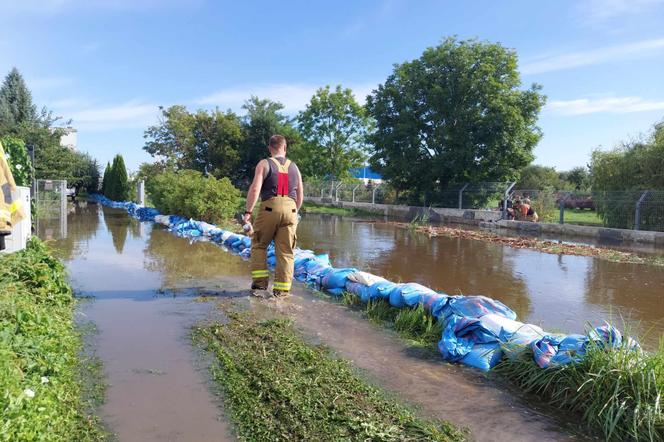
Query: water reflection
559	292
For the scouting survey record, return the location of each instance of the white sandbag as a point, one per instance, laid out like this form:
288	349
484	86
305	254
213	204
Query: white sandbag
365	278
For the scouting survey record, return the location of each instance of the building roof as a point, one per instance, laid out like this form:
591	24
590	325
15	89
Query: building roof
365	173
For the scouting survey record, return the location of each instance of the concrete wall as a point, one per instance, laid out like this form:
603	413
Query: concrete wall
599	233
490	219
408	213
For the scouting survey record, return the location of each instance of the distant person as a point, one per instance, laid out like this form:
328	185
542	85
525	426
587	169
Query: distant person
509	208
278	182
527	213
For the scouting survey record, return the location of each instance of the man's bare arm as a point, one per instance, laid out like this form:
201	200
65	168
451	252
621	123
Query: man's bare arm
254	190
299	197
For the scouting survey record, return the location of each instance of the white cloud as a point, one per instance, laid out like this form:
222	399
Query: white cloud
132	114
294	97
597	12
592	57
613	105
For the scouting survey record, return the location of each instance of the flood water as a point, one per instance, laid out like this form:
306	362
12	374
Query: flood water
145	283
558	292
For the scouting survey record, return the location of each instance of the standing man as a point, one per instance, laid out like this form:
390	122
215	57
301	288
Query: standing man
279	184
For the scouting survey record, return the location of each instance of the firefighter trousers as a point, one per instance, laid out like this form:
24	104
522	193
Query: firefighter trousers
276	220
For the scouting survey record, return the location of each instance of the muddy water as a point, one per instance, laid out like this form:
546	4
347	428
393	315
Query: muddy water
156	390
142	277
560	293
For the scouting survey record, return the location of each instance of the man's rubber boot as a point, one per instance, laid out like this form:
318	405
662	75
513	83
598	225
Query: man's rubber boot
256	290
280	294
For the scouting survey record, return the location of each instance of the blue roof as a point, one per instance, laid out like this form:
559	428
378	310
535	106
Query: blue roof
365	172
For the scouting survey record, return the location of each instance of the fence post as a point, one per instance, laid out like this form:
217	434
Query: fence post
637	213
373	195
506	195
354	189
461	195
141	193
336	191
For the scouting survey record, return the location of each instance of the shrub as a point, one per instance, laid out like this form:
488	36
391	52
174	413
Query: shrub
189	193
18	159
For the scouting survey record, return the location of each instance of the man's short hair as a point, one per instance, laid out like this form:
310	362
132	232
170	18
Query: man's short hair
277	141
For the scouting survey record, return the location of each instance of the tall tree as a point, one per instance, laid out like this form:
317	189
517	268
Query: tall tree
456	114
208	142
104	181
535	177
264	119
334	127
118	181
16	105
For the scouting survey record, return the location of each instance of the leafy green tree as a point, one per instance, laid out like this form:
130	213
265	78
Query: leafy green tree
619	176
208	142
334	127
19	161
55	162
535	177
456	114
577	178
104	182
264	119
16	106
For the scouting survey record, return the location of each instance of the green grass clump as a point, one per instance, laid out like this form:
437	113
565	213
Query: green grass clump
40	370
278	387
618	392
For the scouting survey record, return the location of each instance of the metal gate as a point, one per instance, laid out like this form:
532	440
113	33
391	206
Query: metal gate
51	208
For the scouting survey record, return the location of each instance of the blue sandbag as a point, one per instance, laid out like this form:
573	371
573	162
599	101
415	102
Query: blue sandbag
483	356
272	261
378	290
460	337
337	279
336	292
475	307
409	294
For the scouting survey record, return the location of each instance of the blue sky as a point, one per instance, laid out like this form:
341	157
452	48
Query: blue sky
108	64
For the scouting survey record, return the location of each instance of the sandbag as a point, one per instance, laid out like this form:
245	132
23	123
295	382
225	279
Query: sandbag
365	278
379	290
336	279
475	307
410	294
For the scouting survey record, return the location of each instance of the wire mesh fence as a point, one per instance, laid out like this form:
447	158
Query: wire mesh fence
51	207
637	209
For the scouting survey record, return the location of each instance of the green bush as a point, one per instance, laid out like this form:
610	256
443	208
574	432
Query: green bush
42	390
189	193
18	159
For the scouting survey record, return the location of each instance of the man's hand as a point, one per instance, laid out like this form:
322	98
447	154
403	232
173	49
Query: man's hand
246	217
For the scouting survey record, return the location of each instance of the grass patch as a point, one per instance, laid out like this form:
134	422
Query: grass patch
414	324
278	387
43	395
582	217
618	393
309	207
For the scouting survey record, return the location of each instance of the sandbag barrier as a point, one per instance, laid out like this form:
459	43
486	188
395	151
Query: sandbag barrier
477	331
